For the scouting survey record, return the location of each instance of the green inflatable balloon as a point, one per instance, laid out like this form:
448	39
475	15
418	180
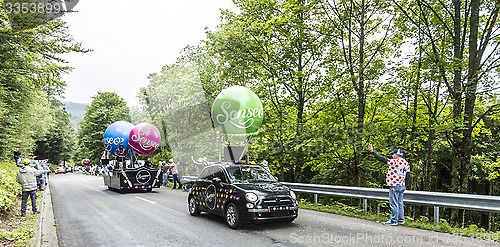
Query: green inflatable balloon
237	111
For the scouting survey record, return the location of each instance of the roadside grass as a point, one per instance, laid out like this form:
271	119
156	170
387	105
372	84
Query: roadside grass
14	229
422	222
9	188
22	235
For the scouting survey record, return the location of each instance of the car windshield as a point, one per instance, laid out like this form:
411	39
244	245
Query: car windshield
249	173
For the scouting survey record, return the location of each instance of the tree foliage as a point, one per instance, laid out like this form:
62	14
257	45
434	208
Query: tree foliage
335	76
176	104
57	144
105	109
30	75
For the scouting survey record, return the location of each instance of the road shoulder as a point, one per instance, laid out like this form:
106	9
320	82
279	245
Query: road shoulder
46	228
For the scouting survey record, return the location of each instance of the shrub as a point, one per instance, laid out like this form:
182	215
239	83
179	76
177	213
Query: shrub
9	188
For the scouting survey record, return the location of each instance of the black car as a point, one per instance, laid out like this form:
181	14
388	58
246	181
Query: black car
242	194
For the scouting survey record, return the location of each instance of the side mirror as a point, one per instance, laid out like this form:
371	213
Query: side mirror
216	180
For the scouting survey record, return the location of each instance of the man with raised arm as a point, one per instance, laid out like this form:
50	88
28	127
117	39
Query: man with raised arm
395	179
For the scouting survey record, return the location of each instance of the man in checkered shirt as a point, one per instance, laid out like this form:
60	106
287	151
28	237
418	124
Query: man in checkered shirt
395	179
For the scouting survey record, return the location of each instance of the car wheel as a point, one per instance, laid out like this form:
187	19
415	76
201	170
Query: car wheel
289	220
232	216
193	209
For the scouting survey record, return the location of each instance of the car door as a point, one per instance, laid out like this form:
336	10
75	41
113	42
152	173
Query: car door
222	188
206	190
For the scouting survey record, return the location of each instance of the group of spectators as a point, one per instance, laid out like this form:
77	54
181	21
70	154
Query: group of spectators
95	170
41	180
31	179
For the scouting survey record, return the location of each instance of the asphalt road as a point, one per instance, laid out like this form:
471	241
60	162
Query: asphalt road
88	214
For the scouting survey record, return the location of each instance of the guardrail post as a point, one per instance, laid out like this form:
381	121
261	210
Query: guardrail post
436	215
316	199
365	206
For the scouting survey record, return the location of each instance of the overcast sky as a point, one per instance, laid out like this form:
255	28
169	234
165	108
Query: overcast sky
131	39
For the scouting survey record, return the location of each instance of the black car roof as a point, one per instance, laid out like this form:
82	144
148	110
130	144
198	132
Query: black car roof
230	164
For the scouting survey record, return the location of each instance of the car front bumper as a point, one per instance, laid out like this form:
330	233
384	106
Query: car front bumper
257	215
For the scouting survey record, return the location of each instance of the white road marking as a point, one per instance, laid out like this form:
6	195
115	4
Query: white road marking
144	199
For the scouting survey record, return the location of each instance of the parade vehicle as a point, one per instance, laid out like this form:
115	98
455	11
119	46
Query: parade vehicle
123	141
236	190
60	169
138	178
242	194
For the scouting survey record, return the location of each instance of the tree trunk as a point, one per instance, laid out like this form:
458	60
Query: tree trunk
360	88
457	142
300	108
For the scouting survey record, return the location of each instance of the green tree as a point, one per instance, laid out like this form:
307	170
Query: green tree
58	143
175	102
367	38
30	71
138	115
460	39
277	49
105	109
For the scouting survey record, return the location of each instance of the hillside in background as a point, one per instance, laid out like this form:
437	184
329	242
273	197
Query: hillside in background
77	111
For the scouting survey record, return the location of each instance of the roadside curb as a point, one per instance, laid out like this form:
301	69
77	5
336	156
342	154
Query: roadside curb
46	229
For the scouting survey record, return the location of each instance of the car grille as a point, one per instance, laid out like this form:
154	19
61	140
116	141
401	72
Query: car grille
274	202
281	206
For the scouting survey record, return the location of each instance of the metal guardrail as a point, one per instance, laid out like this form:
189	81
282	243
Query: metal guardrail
187	179
436	199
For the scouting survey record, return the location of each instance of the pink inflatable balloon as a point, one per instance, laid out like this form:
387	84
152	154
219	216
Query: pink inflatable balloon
144	138
86	161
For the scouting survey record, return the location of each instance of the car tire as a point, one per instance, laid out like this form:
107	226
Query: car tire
193	209
232	216
288	221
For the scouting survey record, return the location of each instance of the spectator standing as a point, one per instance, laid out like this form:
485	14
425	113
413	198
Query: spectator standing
105	170
166	170
26	176
43	178
175	174
264	164
395	179
37	166
17	157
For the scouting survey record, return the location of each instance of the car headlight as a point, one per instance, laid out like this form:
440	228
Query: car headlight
292	194
251	197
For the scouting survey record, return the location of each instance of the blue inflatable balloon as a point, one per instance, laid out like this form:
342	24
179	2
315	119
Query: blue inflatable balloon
116	134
